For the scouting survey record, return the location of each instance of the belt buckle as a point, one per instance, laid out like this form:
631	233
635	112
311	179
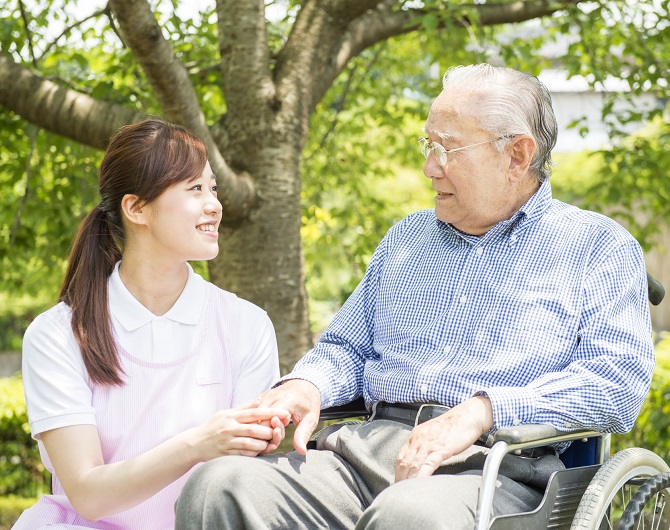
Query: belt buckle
374	411
423	406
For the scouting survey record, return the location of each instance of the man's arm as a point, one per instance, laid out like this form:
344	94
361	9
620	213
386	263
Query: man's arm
335	364
331	372
605	384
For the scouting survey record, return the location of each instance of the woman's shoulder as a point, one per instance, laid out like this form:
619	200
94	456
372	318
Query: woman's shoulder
230	301
56	318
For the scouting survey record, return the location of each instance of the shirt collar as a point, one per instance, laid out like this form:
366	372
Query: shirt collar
132	315
535	207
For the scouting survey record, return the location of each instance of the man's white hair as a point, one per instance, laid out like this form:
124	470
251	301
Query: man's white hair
513	103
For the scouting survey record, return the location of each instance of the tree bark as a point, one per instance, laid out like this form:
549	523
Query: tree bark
261	260
175	92
58	109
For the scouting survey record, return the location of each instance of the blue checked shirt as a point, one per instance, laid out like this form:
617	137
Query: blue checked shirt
546	314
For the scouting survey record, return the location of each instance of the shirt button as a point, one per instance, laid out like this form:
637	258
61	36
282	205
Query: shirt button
463	299
424	389
447	348
480	251
512	238
516	422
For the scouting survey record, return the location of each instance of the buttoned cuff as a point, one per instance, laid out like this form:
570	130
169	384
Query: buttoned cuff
511	405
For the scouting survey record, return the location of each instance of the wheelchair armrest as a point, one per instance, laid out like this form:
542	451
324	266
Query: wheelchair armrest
525	433
532	435
352	409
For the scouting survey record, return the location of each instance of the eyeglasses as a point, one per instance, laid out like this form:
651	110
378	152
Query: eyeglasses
440	152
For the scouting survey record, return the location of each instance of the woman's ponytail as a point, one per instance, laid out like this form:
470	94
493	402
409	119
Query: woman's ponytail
94	253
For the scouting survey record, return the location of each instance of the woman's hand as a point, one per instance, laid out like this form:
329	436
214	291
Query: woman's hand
246	431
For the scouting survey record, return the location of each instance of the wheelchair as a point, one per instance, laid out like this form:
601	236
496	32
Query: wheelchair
629	490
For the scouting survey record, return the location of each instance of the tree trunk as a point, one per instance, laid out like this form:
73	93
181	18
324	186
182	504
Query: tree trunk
261	260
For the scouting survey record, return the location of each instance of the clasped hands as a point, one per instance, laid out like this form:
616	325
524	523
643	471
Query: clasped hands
428	445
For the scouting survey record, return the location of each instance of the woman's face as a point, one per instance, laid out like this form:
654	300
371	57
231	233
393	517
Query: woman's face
183	221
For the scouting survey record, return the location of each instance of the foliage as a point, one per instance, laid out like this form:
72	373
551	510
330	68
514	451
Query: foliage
360	176
629	181
652	428
21	470
605	44
361	171
11	508
347	159
634	177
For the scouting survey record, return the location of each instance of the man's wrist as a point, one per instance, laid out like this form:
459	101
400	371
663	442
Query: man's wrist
484	411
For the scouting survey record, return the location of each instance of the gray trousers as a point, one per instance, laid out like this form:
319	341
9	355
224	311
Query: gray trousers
348	482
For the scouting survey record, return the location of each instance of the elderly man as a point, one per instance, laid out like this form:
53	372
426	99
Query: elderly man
502	306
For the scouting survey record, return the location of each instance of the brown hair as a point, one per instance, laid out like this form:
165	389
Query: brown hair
142	159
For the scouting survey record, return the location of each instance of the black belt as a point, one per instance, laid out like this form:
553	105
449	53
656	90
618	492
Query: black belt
411	414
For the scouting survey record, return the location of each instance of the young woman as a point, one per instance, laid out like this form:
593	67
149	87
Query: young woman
144	369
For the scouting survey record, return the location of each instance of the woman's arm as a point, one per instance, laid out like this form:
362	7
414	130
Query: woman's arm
97	490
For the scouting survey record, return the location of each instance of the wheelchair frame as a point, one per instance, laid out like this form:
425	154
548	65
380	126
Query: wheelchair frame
576	498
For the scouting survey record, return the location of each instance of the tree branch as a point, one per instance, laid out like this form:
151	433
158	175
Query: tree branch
29	172
176	95
387	21
339	106
29	36
245	62
68	29
308	52
58	109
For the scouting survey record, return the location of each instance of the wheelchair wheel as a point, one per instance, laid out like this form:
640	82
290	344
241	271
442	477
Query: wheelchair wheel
650	506
613	486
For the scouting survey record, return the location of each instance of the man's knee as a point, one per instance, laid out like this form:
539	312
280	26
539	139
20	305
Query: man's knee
212	492
422	503
218	475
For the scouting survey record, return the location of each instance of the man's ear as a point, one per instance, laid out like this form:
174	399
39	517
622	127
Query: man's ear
133	209
521	151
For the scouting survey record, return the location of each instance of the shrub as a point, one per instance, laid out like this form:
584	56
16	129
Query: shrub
21	470
11	508
652	428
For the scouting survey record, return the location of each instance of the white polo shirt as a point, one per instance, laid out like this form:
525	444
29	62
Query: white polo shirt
55	379
210	352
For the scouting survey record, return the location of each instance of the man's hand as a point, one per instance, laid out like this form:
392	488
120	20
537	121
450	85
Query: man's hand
434	441
303	401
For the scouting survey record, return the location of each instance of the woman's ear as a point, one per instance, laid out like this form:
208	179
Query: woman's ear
521	151
133	209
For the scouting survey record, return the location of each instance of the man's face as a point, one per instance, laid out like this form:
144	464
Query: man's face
473	189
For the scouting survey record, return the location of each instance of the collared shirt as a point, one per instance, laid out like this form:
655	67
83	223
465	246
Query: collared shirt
221	354
156	338
546	314
56	383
